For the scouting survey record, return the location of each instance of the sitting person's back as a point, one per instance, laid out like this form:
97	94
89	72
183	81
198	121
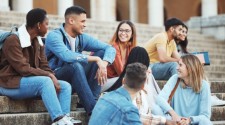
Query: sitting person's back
116	108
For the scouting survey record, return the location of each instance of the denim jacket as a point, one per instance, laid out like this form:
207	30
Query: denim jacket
115	108
60	51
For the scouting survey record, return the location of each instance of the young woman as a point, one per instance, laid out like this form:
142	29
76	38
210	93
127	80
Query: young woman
191	102
24	71
182	41
124	39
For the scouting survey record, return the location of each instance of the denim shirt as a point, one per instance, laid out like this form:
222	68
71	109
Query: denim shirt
115	108
61	52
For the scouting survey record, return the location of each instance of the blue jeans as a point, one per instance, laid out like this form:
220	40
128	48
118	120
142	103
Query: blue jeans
43	86
83	82
163	71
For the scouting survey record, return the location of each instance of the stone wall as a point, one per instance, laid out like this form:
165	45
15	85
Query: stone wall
214	26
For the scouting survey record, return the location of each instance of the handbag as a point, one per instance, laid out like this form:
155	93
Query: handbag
173	91
203	57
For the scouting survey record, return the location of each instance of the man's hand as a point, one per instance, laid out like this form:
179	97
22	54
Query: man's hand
55	82
101	73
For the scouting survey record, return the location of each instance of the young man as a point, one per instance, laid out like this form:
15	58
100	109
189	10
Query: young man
24	70
116	107
163	52
64	48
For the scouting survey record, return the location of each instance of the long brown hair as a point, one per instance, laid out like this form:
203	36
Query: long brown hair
133	39
195	71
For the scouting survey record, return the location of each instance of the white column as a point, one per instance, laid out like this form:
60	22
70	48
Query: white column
155	13
4	5
104	10
63	5
134	10
209	8
22	5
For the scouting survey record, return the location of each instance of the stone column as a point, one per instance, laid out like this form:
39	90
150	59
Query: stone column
103	10
22	5
133	10
209	8
4	5
63	5
155	13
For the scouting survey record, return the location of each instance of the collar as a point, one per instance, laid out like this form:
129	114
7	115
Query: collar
124	92
24	37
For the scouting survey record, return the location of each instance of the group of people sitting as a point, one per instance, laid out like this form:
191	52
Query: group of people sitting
57	68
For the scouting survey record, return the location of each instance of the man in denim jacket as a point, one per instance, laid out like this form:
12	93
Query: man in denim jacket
64	48
116	107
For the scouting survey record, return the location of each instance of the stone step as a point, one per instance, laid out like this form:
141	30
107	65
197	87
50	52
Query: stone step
212	50
216	86
218	122
218	75
217	61
37	118
219	68
8	105
218	113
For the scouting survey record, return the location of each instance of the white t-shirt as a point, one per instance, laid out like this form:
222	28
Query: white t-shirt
72	43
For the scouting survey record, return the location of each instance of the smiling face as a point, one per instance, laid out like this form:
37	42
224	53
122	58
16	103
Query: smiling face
177	31
182	70
124	33
183	34
78	23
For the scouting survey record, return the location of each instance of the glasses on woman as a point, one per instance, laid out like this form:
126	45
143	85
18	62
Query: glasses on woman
124	31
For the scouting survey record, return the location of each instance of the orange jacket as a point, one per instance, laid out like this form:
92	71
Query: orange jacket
117	66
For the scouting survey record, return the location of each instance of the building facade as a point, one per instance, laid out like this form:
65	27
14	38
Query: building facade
152	12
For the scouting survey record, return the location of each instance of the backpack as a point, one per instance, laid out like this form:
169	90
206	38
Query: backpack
5	34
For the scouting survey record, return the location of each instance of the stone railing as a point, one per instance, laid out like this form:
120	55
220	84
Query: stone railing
214	25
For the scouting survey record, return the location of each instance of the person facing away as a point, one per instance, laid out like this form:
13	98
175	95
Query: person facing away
145	99
64	48
124	39
191	102
24	70
182	41
163	52
116	108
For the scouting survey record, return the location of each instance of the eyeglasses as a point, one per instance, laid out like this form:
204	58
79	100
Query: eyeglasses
124	30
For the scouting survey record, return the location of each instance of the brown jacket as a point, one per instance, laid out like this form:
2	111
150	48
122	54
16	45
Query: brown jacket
17	62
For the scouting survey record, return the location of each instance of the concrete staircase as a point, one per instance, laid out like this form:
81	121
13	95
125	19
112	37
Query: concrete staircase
32	112
27	112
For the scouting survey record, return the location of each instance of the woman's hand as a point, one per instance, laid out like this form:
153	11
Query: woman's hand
184	121
55	82
174	115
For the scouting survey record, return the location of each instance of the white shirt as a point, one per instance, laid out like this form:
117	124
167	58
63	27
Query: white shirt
72	43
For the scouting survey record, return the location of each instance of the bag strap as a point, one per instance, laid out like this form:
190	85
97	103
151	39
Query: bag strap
173	91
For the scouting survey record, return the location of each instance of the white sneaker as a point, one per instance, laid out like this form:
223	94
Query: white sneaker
74	121
217	102
63	121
